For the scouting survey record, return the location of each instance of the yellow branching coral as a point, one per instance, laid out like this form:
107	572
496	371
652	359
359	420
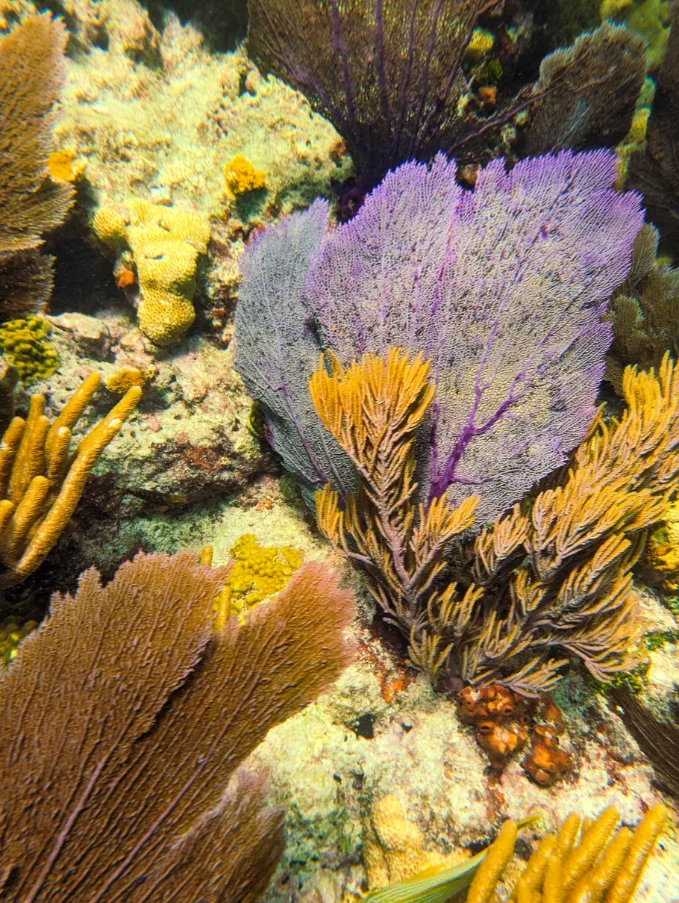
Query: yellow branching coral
555	574
257	573
41	481
24	342
373	409
166	245
241	177
594	862
663	551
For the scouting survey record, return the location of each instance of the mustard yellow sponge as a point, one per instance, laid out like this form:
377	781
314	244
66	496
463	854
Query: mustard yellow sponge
482	42
257	572
12	632
63	166
166	245
662	552
241	177
24	343
126	377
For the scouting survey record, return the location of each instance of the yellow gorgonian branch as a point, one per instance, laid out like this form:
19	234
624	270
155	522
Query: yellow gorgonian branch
551	575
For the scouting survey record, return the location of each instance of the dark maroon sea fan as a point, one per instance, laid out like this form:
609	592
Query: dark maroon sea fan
391	77
502	288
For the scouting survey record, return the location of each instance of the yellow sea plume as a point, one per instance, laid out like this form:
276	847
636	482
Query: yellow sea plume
241	177
662	553
166	245
41	481
551	576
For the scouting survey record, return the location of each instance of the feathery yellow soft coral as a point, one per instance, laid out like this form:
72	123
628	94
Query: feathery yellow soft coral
241	177
166	245
663	550
257	572
41	482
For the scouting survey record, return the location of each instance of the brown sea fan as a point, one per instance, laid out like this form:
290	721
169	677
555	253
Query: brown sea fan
126	714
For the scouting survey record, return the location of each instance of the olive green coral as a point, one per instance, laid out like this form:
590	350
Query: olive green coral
24	342
12	631
166	245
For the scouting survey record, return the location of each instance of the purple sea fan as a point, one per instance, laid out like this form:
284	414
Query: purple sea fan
502	288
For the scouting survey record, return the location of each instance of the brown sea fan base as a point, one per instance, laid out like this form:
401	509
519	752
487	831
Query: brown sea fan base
125	715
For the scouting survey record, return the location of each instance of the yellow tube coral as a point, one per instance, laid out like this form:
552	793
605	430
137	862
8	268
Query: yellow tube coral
41	485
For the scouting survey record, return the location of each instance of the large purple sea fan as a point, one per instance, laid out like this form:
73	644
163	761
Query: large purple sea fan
503	288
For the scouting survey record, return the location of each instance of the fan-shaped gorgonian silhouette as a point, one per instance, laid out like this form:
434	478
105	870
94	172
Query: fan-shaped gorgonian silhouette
124	716
392	80
502	289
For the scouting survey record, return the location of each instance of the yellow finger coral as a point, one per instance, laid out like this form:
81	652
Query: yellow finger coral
585	862
24	344
257	572
241	177
166	245
41	482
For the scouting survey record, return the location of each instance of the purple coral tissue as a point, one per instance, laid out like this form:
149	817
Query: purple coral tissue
503	288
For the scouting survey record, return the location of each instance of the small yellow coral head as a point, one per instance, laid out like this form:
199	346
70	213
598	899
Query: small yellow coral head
165	245
62	166
24	342
110	225
241	177
126	377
